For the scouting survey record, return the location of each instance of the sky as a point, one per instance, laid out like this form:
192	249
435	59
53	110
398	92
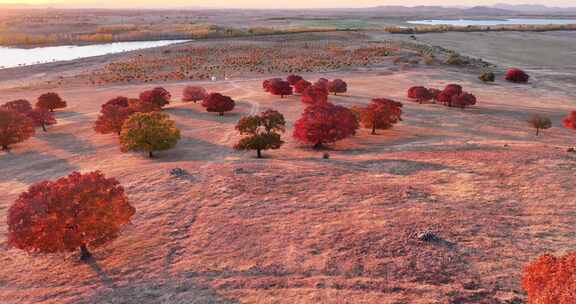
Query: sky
274	4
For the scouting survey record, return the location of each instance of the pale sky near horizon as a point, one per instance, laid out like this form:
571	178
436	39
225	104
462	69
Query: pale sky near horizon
273	4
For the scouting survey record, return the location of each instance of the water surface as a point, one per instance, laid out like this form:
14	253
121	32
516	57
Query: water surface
489	22
13	57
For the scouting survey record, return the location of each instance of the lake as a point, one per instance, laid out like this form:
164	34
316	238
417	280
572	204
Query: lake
13	57
489	22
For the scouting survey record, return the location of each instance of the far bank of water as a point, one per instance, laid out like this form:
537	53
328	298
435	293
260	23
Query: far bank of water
14	57
492	22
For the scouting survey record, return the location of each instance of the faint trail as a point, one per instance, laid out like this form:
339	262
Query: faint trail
229	133
183	213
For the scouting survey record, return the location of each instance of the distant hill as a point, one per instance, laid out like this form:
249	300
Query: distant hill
488	11
534	8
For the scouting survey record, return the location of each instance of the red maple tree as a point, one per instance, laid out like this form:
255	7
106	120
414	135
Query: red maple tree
570	121
453	89
41	118
68	214
323	123
14	128
420	94
381	114
216	102
301	86
463	100
551	280
157	96
517	76
293	79
21	106
113	114
323	83
445	97
142	107
337	86
269	82
314	94
50	101
118	101
194	94
281	88
434	93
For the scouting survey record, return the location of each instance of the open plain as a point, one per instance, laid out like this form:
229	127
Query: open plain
294	227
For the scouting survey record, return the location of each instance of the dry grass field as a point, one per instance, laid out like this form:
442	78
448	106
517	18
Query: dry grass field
296	228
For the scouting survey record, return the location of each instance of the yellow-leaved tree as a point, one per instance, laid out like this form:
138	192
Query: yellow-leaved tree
149	132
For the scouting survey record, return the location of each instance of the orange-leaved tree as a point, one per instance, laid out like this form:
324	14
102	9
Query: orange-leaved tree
50	101
551	280
112	116
380	114
14	128
68	214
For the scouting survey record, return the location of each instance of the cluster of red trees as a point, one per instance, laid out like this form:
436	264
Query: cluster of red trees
453	95
139	125
18	118
311	92
323	122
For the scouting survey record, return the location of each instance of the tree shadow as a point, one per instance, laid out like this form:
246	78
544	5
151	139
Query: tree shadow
397	167
228	118
193	149
68	142
71	116
33	167
158	291
104	278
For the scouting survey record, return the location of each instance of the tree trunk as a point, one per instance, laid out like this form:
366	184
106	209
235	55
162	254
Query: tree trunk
259	153
51	110
374	129
318	146
44	128
221	113
537	131
150	154
85	255
5	148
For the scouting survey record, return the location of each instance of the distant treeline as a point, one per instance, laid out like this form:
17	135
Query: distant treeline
479	28
123	33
